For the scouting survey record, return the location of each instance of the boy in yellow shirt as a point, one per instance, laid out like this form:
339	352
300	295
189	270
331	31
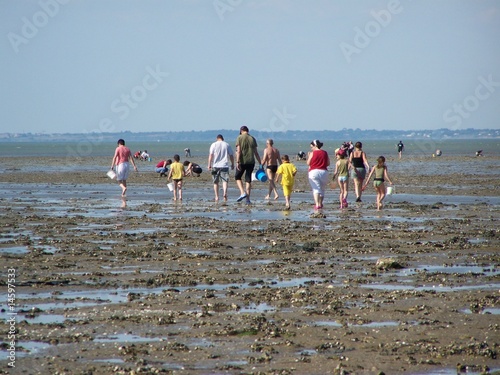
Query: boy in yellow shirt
176	173
287	171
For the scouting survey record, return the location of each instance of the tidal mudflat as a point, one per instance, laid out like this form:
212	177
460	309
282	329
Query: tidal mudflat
146	285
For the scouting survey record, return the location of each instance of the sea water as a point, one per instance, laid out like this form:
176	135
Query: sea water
167	148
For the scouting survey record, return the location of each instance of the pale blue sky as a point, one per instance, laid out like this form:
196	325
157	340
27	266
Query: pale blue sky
78	66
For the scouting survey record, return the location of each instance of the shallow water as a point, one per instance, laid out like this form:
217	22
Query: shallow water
104	201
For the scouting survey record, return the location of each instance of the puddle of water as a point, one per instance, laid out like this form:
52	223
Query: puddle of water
30	347
328	324
478	240
376	324
15	250
46	319
260	308
368	325
454	371
125	337
461	269
437	288
110	360
87	298
488	310
47	249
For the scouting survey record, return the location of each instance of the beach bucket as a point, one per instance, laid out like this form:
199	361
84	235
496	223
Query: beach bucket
111	174
170	186
390	190
261	175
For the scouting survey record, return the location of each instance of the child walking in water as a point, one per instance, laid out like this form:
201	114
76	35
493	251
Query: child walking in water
287	171
381	175
176	173
342	173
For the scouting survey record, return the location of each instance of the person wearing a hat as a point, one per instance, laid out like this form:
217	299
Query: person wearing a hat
318	162
246	153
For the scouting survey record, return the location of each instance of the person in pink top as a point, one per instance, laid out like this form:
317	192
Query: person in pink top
121	160
318	162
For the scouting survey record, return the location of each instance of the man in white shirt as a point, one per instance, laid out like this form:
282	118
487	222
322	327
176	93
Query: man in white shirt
218	157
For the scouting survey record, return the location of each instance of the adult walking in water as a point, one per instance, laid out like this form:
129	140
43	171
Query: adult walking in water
219	155
272	159
401	148
121	160
246	153
318	162
360	166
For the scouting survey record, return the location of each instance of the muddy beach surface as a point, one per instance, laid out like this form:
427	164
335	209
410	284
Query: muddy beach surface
145	285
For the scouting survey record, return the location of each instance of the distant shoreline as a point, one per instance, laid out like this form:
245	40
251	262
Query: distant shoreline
230	134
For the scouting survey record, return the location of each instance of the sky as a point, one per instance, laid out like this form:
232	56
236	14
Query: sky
80	66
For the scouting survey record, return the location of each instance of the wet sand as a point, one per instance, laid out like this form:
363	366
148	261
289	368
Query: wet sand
146	285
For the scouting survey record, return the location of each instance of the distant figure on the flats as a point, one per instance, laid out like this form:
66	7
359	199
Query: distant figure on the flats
301	155
187	152
400	146
145	155
192	169
479	153
137	155
162	167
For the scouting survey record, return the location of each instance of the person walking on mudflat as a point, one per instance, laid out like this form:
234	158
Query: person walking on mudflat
272	159
176	173
121	159
400	146
287	171
318	162
342	167
246	153
219	154
360	166
381	175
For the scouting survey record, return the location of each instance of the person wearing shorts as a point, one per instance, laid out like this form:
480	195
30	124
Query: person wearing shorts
121	159
360	165
219	155
342	167
246	153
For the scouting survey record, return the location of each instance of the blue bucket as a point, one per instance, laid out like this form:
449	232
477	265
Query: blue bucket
261	175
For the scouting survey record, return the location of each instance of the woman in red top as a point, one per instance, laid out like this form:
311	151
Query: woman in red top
121	160
318	162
